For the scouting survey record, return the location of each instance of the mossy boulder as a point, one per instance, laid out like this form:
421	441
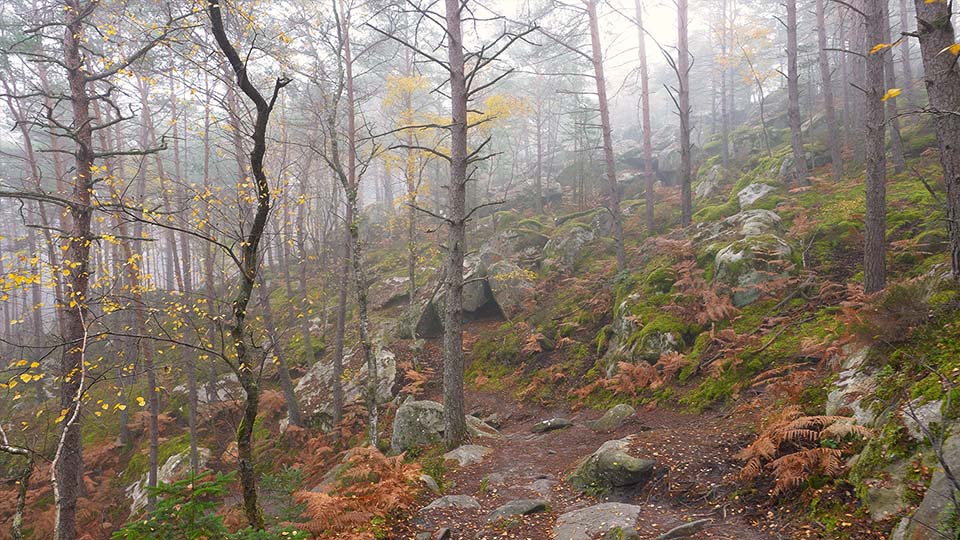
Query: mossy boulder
417	423
567	244
753	193
614	418
610	467
314	393
510	286
935	517
176	467
745	265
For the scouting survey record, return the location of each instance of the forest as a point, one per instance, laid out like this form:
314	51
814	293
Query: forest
479	269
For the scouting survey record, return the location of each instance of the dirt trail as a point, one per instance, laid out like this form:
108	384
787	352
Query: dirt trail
693	454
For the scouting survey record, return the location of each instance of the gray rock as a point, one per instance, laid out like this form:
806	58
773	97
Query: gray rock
423	535
510	286
552	424
855	381
927	522
648	348
614	418
430	483
884	497
313	389
463	502
468	454
756	222
521	507
710	185
565	247
685	530
443	533
417	423
611	467
753	193
175	468
746	264
390	292
918	416
227	388
588	523
478	428
543	486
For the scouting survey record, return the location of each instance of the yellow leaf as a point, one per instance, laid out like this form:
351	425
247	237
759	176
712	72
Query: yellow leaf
25	377
879	47
140	401
953	49
891	93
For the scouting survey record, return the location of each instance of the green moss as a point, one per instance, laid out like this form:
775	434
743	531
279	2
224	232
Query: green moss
717	212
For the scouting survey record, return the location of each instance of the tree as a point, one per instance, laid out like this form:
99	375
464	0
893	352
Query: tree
875	227
793	97
648	173
941	76
682	68
613	189
248	265
826	78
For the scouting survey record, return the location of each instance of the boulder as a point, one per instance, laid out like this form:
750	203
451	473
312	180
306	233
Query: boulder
313	390
685	530
515	243
177	467
614	418
746	264
756	222
598	520
710	185
510	286
390	292
624	326
420	423
552	424
468	454
567	244
930	520
521	507
884	497
417	423
611	466
854	382
749	195
431	484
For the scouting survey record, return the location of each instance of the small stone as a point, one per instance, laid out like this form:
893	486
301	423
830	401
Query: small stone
468	454
443	533
685	530
552	424
521	507
431	484
465	502
613	419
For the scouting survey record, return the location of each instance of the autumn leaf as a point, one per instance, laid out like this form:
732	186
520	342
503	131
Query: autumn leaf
891	93
140	401
952	49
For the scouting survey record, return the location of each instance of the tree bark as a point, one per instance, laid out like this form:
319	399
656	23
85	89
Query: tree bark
793	98
906	26
454	417
283	372
683	74
826	78
942	79
875	228
613	189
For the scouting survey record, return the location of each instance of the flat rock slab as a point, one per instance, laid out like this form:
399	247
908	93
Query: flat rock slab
468	454
552	424
588	523
520	507
465	502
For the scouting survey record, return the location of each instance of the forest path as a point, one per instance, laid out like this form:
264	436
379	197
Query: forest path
694	454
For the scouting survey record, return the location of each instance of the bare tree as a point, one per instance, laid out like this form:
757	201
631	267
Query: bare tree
248	263
829	105
793	97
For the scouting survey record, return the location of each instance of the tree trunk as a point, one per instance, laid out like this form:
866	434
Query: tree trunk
942	78
890	79
68	464
455	424
683	74
833	129
283	372
724	113
249	263
648	173
906	26
613	189
874	250
352	189
793	98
